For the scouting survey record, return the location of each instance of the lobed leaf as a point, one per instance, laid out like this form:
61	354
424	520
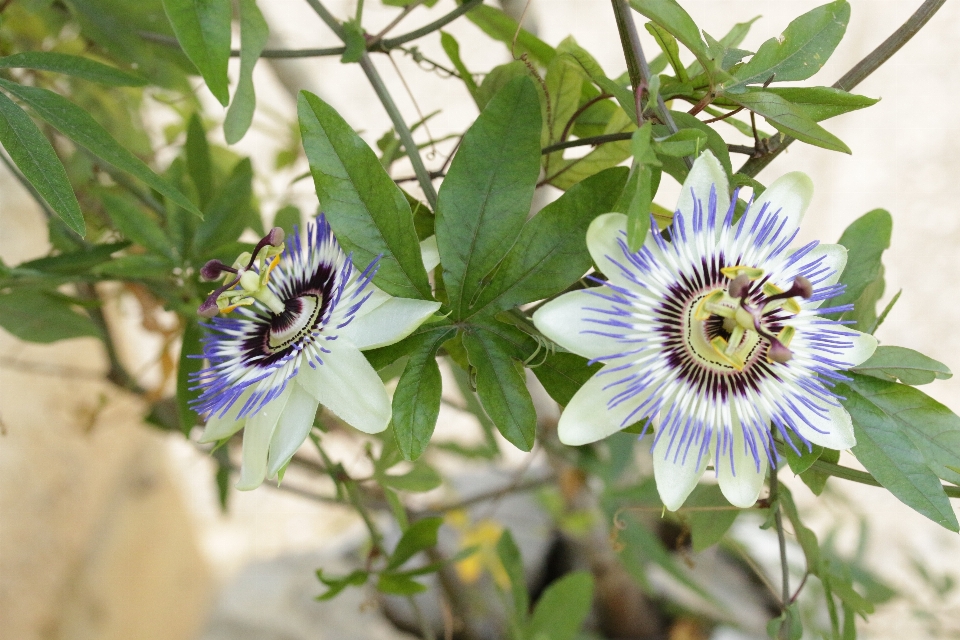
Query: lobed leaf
76	66
203	29
787	118
79	126
887	452
42	316
368	212
803	48
562	608
253	38
821	103
909	366
485	197
35	157
865	239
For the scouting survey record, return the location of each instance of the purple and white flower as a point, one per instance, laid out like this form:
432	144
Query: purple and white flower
303	314
716	335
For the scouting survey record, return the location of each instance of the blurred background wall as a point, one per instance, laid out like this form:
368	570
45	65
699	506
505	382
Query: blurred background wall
109	529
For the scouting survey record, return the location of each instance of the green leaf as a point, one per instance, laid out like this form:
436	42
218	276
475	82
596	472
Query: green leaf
74	262
76	66
452	48
398	585
562	608
367	211
190	348
815	480
486	195
499	26
800	463
203	29
907	365
499	77
787	118
419	479
253	38
888	453
136	224
421	535
512	562
416	401
36	159
354	41
564	82
336	585
821	103
714	519
581	56
668	44
227	214
675	166
199	161
502	387
805	536
76	124
803	48
36	315
562	375
933	428
865	239
672	17
564	175
135	267
550	253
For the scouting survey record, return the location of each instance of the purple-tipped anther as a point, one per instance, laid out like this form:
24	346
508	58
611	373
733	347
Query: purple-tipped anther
801	287
739	286
777	352
214	269
209	308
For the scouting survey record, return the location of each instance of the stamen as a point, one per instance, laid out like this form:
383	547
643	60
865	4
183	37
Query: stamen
752	273
801	287
273	239
214	269
739	286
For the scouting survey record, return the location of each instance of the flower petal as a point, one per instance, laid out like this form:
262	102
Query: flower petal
603	241
347	385
390	322
789	196
741	485
573	321
429	253
218	428
256	440
588	418
706	173
862	347
676	478
292	429
835	431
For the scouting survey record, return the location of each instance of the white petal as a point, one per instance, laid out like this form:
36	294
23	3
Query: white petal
789	196
292	429
863	347
219	428
391	321
706	173
429	253
603	241
588	419
347	385
564	320
834	432
742	484
256	441
675	480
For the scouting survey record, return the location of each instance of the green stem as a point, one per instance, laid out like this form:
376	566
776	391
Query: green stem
392	43
406	136
359	11
328	18
857	74
781	538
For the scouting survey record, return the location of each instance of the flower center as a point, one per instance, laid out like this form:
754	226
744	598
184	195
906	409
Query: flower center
246	281
297	320
728	326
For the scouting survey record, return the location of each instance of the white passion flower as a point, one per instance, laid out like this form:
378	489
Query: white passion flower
303	315
717	336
